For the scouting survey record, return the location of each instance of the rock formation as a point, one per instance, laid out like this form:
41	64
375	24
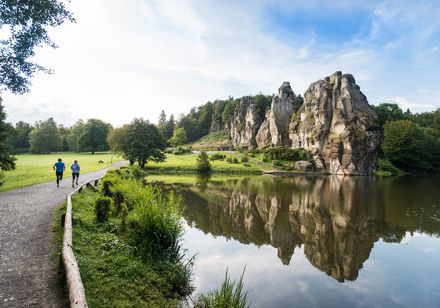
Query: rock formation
275	129
244	124
338	126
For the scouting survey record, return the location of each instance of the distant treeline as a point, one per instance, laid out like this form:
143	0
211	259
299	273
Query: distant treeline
410	141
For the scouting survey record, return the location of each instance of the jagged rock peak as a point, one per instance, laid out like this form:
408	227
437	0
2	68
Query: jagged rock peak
244	124
275	129
338	126
285	90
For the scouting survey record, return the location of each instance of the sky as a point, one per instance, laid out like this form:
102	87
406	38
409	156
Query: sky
133	58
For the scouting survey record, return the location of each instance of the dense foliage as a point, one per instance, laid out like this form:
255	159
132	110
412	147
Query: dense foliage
25	23
410	147
143	143
45	137
203	164
93	136
179	137
6	159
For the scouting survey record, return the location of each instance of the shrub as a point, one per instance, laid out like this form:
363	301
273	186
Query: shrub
384	165
287	154
203	164
277	163
181	151
102	208
232	160
244	157
217	156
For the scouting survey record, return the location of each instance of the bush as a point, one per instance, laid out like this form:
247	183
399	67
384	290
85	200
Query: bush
217	156
384	165
277	163
203	164
232	160
181	151
244	157
102	208
287	154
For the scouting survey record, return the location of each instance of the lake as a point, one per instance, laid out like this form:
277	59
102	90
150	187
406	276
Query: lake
317	241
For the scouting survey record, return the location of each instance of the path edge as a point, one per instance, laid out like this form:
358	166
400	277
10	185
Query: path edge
77	295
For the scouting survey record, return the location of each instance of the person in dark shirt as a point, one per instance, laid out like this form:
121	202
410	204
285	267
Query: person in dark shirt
59	169
75	172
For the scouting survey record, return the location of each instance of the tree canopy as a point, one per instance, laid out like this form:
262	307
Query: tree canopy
6	159
143	143
179	137
27	22
94	136
45	137
410	147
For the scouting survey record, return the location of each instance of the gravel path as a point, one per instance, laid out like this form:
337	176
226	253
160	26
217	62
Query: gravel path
28	266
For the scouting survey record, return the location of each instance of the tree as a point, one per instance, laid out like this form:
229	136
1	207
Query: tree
94	136
169	128
410	147
76	131
64	134
45	137
179	136
117	140
6	159
144	142
162	119
19	139
203	164
388	112
26	24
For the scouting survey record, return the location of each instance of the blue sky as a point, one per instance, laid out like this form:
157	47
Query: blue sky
124	59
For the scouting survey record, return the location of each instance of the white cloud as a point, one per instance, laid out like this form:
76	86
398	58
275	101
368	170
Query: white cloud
135	58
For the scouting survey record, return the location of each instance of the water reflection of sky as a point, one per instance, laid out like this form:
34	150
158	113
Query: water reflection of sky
405	274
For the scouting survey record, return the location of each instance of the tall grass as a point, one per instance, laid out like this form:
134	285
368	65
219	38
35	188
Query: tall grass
231	294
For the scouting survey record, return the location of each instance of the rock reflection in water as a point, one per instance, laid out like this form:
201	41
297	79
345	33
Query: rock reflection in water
337	219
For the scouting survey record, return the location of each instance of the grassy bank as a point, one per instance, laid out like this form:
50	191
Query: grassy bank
37	168
181	164
132	257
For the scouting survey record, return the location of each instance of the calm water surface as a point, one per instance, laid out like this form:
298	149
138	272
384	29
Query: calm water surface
318	241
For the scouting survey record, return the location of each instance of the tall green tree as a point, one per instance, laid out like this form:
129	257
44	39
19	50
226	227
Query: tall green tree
410	147
117	140
387	112
179	137
76	131
19	139
203	164
94	136
6	159
144	142
169	128
45	137
25	23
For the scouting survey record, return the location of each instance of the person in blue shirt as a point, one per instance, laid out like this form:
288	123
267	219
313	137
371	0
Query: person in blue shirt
75	172
59	169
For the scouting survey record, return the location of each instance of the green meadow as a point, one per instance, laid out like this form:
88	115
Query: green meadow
37	168
187	164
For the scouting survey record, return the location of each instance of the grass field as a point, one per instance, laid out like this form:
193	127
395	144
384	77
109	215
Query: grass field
37	168
187	164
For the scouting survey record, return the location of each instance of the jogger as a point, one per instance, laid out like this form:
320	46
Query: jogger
59	169
75	172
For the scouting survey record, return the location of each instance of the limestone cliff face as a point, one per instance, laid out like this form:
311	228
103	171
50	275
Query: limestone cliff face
275	129
338	126
244	125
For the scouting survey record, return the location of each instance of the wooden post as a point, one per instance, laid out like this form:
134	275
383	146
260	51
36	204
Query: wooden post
77	294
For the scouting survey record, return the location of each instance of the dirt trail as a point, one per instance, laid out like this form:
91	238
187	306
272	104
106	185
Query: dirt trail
28	276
